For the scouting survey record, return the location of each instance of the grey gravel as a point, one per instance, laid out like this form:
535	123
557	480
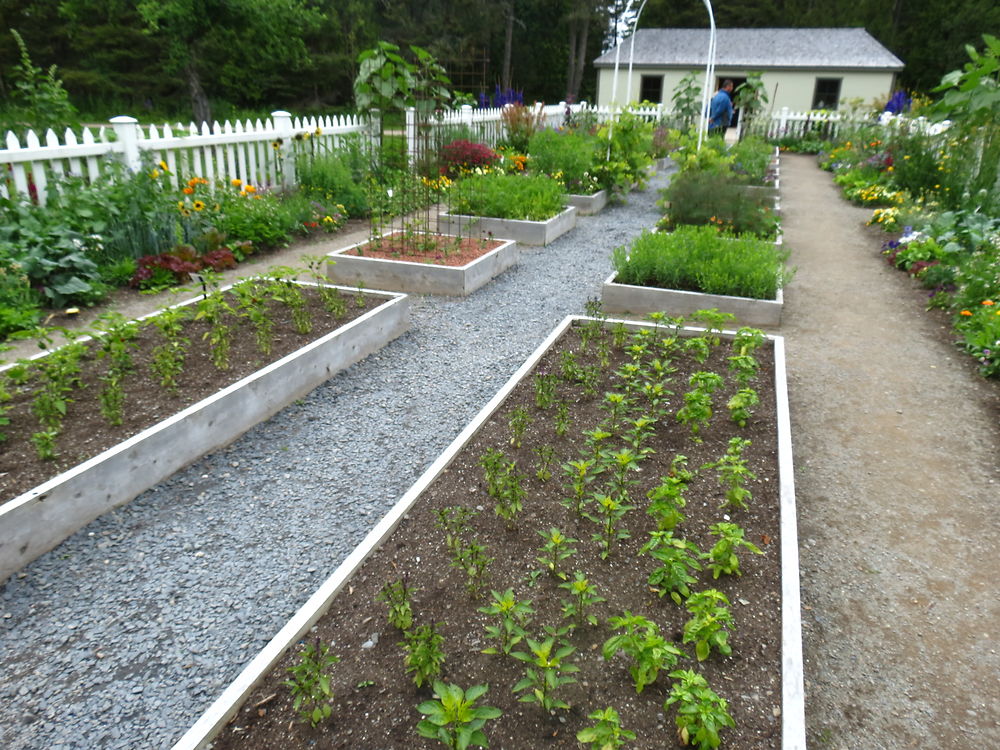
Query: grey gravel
125	633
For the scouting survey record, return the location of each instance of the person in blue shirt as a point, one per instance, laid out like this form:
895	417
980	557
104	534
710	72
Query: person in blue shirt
720	112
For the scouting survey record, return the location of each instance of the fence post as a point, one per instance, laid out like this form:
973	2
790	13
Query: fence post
283	129
467	115
127	134
411	136
782	121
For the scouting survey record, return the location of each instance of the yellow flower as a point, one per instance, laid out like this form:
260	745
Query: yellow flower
163	166
889	168
154	174
907	156
250	189
318	131
180	204
236	182
328	220
198	206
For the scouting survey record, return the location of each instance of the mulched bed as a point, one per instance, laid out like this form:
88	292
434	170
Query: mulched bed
436	249
86	433
375	700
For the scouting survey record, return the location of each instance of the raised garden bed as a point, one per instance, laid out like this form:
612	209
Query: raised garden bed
162	432
537	233
587	205
642	300
445	271
374	702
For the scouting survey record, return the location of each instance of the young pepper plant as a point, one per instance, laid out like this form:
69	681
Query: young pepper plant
454	719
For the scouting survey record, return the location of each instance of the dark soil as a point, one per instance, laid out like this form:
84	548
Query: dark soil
86	432
436	249
375	699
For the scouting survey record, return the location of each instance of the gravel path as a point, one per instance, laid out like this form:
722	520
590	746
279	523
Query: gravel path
124	634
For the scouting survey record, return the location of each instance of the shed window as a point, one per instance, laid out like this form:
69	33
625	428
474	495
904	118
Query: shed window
651	89
827	93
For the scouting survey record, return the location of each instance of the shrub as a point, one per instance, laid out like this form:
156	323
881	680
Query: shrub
331	175
19	303
567	156
462	156
751	158
528	197
699	259
696	197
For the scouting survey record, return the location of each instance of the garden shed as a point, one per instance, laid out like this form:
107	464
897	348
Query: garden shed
801	69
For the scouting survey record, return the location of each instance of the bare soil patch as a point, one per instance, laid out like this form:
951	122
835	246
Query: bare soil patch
435	249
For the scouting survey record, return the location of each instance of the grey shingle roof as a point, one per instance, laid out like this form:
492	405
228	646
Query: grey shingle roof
758	49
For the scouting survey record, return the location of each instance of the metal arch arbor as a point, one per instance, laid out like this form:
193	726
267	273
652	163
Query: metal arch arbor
709	71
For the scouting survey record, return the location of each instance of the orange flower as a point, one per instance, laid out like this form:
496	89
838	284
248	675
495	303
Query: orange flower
236	182
987	302
250	189
188	190
966	313
192	182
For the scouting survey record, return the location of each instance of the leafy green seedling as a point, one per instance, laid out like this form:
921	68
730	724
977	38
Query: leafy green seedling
740	404
609	511
650	652
707	628
547	671
555	550
454	719
733	474
310	683
396	594
722	556
514	616
424	656
678	558
583	596
608	733
701	713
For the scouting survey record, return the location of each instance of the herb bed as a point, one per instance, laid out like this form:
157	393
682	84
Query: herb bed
374	705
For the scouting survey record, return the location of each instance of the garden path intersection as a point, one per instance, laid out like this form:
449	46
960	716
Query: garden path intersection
123	635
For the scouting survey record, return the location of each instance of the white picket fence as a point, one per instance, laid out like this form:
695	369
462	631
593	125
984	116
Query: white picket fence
258	153
263	153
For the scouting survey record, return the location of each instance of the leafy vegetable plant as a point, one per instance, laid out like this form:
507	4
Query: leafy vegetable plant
310	682
650	651
701	713
453	718
547	671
